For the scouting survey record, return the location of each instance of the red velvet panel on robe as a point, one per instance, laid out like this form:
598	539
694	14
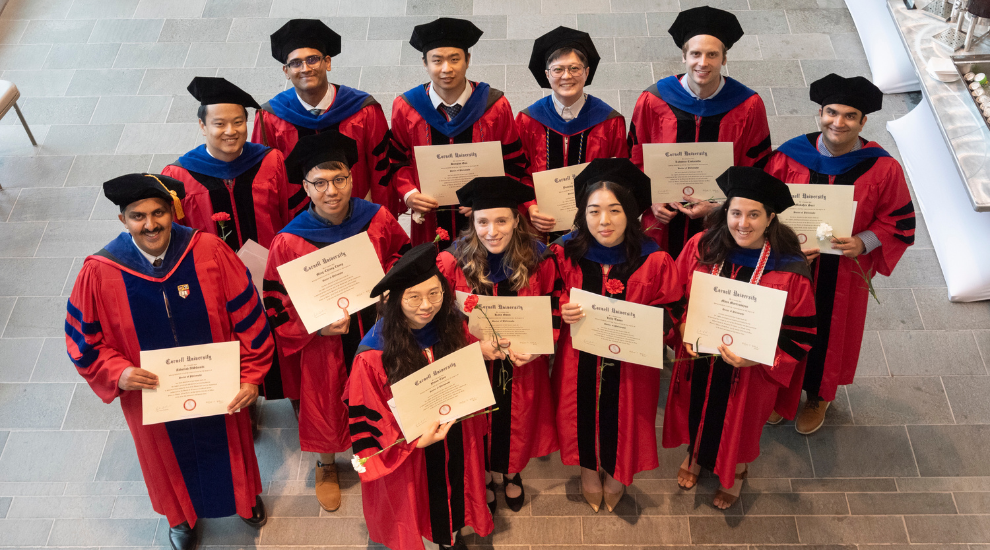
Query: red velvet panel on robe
606	139
404	487
103	341
409	130
720	410
885	208
523	426
257	201
655	121
323	362
367	127
621	438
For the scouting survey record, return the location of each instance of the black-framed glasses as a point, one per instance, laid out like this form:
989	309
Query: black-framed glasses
321	185
558	71
416	300
298	63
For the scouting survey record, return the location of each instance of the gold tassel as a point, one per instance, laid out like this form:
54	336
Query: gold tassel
179	214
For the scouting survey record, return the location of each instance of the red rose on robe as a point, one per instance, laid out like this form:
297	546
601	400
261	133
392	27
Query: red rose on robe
221	217
614	286
471	301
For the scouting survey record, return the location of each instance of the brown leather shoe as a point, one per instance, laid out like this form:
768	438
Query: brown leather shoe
812	415
327	486
775	419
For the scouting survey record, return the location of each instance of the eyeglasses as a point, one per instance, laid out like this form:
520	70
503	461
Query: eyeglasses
321	185
311	60
558	71
416	300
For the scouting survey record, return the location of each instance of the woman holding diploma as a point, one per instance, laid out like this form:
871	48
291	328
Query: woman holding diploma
498	255
567	127
606	409
323	162
433	487
717	405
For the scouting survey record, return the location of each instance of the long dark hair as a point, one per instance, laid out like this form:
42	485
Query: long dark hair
577	246
402	355
717	241
520	255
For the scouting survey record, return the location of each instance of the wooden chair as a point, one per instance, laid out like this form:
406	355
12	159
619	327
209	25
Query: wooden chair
8	99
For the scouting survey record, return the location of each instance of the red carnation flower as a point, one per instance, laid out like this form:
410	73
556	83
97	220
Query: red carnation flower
471	301
221	217
442	234
614	286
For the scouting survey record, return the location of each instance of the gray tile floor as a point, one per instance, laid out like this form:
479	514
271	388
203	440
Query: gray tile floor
903	460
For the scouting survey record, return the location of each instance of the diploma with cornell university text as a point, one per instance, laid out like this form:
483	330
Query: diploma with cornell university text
743	316
193	381
555	194
325	282
678	169
443	169
618	329
525	320
447	389
816	204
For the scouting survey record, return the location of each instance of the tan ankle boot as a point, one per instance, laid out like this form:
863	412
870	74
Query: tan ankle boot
327	486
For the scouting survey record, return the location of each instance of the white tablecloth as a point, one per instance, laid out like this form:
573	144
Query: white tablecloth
892	70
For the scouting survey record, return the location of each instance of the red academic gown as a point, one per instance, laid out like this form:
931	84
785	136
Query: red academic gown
283	120
120	305
665	113
410	493
549	142
885	208
486	116
621	437
322	363
720	410
523	426
254	194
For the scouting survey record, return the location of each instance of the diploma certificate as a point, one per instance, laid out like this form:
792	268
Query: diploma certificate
325	282
443	169
555	194
255	258
446	389
678	169
525	320
743	316
193	381
618	330
817	204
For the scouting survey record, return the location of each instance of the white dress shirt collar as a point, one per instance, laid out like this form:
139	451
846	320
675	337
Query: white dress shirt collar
573	111
684	83
324	103
462	100
151	259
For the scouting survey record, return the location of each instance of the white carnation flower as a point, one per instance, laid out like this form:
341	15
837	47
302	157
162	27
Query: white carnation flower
824	231
418	217
358	466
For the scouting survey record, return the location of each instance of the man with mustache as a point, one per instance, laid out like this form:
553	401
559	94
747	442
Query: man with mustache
162	285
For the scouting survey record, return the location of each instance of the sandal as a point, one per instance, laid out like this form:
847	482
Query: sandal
726	497
692	478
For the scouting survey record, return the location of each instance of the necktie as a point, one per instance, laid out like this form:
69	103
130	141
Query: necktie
316	112
157	262
451	111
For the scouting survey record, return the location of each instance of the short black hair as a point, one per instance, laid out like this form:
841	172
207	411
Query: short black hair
467	53
201	112
561	52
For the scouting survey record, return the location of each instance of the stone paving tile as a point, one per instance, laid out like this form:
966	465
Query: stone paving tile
897	310
901	503
33	276
950	450
20	239
34	406
53	363
795	504
61	507
108	532
81	56
899	400
17	358
25	532
71	456
68	239
119	461
972	503
855	529
751	530
920	353
4	506
940	314
88	412
966	396
840	451
948	529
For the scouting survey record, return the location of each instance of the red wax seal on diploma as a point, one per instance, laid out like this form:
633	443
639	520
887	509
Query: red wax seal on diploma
444	410
802	238
614	348
189	405
688	190
727	339
343	302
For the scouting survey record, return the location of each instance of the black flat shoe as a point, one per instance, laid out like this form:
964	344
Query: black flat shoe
514	504
493	503
459	544
259	516
182	537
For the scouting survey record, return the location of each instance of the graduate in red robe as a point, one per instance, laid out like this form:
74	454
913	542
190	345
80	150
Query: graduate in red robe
719	405
323	163
161	285
501	256
432	487
698	106
568	127
449	109
227	174
305	47
606	409
882	231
